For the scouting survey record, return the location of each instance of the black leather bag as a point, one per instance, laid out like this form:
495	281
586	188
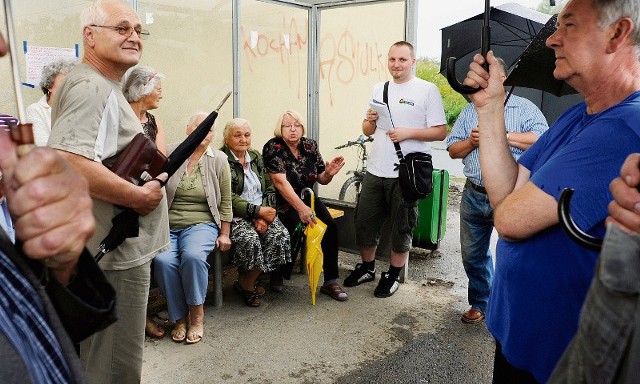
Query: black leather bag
415	171
140	161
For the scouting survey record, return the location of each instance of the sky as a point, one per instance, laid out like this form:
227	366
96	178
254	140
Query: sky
436	14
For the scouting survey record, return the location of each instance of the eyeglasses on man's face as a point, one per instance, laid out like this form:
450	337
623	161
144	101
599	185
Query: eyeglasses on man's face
126	31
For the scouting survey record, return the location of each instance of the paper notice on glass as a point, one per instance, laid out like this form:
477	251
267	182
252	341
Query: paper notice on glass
384	118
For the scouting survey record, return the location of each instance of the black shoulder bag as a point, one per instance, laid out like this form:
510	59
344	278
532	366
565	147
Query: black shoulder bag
414	169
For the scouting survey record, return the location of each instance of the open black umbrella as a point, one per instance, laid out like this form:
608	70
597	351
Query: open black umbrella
534	68
532	77
126	224
506	29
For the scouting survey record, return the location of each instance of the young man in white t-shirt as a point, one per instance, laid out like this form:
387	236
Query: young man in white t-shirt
417	116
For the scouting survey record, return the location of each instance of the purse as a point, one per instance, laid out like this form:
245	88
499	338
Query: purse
140	161
414	170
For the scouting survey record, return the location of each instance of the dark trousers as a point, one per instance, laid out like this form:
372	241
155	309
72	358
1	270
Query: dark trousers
329	242
505	373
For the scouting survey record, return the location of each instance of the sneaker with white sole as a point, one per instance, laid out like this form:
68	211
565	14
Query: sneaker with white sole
386	286
359	275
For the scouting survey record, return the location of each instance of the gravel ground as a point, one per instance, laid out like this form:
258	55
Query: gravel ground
415	336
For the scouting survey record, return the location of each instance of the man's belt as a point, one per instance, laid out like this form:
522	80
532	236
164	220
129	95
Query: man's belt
476	187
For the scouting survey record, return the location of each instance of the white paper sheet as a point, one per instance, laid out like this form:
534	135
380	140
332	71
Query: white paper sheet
384	118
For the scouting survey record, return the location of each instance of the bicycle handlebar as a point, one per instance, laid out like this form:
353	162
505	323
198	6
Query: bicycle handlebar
359	141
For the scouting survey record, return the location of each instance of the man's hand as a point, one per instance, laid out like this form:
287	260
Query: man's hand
398	135
624	210
491	85
152	195
475	137
50	206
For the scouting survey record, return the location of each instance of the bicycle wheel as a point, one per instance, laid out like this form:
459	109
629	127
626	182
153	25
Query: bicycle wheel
351	189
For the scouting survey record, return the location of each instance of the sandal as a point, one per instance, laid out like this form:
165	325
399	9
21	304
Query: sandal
179	332
153	330
260	291
334	291
250	298
195	333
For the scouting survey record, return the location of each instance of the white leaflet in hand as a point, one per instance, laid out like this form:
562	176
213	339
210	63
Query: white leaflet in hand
384	118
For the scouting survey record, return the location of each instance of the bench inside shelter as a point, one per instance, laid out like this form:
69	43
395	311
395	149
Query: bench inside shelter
219	261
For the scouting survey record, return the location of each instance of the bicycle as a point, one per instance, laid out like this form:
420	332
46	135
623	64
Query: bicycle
350	190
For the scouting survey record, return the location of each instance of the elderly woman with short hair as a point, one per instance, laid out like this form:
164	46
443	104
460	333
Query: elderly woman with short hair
260	241
143	90
294	163
200	213
39	113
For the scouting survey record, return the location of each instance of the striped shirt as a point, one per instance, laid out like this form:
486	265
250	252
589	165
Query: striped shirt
24	323
520	115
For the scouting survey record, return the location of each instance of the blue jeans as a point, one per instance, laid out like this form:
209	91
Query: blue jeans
182	271
476	225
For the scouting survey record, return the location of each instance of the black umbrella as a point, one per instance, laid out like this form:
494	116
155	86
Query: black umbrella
534	68
532	77
126	224
506	29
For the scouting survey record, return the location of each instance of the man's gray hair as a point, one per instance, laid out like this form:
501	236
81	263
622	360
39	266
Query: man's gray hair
612	10
94	14
139	82
197	116
52	70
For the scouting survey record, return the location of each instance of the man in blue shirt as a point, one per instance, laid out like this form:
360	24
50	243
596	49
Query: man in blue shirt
52	215
524	123
542	276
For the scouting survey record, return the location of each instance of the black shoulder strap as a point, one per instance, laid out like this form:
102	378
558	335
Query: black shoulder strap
385	93
385	99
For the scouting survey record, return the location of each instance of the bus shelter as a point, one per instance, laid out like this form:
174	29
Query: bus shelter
318	57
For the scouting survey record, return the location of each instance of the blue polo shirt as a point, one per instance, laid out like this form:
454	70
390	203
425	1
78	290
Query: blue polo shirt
540	283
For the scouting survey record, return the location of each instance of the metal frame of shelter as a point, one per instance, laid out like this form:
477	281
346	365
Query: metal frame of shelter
314	9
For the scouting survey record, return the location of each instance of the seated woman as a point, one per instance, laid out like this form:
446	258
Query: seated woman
260	241
39	113
143	90
294	162
199	200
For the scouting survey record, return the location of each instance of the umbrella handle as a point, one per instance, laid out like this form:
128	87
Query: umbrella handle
570	227
485	45
453	82
303	192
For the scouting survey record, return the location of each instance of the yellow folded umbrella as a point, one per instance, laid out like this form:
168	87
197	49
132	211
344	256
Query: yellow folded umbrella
313	252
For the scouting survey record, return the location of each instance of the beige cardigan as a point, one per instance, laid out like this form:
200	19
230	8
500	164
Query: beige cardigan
217	183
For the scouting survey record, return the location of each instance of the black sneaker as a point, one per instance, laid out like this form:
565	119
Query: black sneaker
359	275
386	287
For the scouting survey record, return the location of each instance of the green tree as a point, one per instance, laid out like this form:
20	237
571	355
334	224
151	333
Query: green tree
428	69
545	7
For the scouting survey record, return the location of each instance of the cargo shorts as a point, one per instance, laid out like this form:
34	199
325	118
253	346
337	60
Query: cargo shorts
380	199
